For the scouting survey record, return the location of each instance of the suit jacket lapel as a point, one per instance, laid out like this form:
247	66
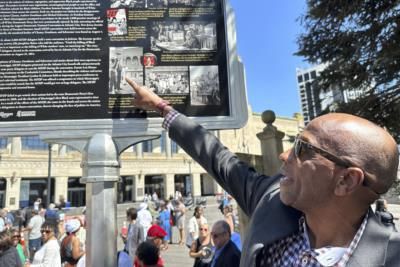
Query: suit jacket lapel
371	250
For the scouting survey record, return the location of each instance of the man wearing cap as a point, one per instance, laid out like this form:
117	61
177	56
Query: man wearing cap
316	210
144	217
155	235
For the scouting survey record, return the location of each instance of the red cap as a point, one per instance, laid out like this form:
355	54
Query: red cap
156	231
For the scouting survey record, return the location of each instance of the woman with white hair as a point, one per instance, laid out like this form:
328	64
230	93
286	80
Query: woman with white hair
71	250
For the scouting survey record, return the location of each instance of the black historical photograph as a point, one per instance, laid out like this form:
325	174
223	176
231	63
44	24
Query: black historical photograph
168	80
125	62
181	36
204	85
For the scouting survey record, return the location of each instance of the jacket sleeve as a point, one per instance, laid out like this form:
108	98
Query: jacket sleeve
236	177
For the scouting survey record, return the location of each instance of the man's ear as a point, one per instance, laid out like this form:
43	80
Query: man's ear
349	181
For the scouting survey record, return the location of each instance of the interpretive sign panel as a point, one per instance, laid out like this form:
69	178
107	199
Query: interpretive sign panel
66	60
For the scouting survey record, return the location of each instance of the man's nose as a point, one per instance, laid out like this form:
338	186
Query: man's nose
284	156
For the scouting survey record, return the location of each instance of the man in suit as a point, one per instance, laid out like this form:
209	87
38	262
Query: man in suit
316	211
226	253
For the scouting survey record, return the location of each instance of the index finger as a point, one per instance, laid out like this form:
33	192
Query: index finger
133	84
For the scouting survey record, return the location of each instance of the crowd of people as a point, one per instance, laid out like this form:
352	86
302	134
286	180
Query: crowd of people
149	229
53	239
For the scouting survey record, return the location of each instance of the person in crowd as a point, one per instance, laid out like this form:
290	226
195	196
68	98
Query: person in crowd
16	240
144	217
135	234
71	249
170	207
61	202
155	236
19	220
8	253
10	218
179	211
51	214
191	41
3	222
148	255
201	248
319	201
226	253
228	216
49	254
81	234
193	225
165	221
34	236
37	205
383	214
61	227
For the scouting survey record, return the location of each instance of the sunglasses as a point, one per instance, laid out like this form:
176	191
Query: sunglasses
45	231
203	229
16	236
300	146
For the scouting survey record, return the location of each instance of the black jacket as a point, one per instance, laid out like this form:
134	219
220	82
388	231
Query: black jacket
229	257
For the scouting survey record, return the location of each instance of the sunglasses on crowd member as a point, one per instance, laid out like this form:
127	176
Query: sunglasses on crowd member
300	145
45	231
16	236
203	229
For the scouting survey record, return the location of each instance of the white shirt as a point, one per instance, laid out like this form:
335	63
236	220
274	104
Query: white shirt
193	229
35	223
48	255
145	219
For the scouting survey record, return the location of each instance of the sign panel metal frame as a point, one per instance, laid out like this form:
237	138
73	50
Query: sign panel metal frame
124	127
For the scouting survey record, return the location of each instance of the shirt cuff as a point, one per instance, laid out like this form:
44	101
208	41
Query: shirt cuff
169	118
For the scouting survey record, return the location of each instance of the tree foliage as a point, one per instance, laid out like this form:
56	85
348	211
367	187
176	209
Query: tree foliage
360	42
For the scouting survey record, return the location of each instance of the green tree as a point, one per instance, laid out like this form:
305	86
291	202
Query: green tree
360	41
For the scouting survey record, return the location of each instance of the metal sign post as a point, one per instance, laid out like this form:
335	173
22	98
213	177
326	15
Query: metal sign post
100	172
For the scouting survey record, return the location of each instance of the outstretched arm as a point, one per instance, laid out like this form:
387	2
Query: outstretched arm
236	177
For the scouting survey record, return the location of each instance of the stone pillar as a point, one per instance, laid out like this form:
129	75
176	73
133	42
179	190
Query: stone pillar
62	152
139	150
168	150
138	185
61	188
196	184
13	191
271	144
16	146
169	185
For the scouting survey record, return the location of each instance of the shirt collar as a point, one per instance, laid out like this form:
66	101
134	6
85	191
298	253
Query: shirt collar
329	256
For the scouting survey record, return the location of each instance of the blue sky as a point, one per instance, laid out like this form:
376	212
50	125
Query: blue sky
266	38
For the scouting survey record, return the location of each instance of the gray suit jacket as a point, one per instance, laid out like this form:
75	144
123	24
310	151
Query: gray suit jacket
258	196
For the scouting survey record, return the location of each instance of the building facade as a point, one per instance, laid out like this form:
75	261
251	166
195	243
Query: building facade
313	100
154	166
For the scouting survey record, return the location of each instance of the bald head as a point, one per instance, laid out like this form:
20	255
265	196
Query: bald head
361	143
